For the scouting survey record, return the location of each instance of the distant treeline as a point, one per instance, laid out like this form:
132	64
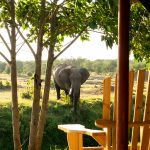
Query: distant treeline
98	66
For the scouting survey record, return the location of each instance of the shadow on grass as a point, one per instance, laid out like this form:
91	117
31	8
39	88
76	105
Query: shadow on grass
58	113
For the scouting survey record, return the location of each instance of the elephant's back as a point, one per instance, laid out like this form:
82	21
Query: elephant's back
59	69
60	77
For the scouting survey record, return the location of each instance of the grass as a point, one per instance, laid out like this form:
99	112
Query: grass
87	90
59	112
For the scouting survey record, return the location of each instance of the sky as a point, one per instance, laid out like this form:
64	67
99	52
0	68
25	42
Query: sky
91	50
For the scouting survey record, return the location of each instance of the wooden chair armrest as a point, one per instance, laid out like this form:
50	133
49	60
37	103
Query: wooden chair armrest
139	123
101	123
93	148
98	135
78	128
92	132
72	128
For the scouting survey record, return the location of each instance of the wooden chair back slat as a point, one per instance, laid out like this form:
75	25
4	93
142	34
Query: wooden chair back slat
106	98
146	131
137	108
106	108
114	115
131	83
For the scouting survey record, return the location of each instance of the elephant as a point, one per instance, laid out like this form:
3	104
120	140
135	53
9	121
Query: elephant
70	78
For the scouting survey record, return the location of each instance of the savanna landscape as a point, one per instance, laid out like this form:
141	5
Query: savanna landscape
59	111
29	111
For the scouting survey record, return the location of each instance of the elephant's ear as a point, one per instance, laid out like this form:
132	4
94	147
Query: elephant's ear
84	74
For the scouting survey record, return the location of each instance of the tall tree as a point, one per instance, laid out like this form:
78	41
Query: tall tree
61	19
47	23
7	18
37	79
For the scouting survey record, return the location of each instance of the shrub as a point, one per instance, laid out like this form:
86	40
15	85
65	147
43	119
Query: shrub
7	84
29	74
26	95
58	113
1	85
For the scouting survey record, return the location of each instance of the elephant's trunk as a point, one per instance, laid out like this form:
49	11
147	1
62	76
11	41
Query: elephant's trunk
75	95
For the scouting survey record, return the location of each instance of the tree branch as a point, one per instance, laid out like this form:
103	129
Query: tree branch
5	57
8	32
5	43
96	31
20	47
70	43
28	44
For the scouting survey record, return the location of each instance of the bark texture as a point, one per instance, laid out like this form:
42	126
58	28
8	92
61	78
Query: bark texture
50	61
15	111
37	82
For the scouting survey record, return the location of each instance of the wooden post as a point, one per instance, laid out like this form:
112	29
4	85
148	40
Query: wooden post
123	76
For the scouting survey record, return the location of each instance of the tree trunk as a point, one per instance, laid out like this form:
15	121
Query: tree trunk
47	80
36	103
15	111
37	82
44	108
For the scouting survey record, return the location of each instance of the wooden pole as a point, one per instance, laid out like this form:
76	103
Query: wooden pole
123	76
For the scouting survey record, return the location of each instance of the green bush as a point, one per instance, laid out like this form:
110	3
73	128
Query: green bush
6	85
5	128
1	85
30	74
53	138
26	95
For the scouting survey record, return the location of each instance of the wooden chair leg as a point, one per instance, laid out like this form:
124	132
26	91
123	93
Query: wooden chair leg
75	141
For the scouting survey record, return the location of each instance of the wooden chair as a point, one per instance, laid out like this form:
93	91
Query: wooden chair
139	125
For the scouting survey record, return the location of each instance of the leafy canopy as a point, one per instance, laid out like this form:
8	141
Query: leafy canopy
76	16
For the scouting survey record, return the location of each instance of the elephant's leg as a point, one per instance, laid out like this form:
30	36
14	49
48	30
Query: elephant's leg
71	99
57	90
66	92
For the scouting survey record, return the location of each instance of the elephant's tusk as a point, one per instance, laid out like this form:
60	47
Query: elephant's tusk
70	91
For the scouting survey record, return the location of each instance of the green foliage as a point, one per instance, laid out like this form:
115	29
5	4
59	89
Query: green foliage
140	32
28	93
98	66
28	66
2	66
6	128
1	84
73	17
5	85
76	15
29	74
19	67
7	69
58	113
4	14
